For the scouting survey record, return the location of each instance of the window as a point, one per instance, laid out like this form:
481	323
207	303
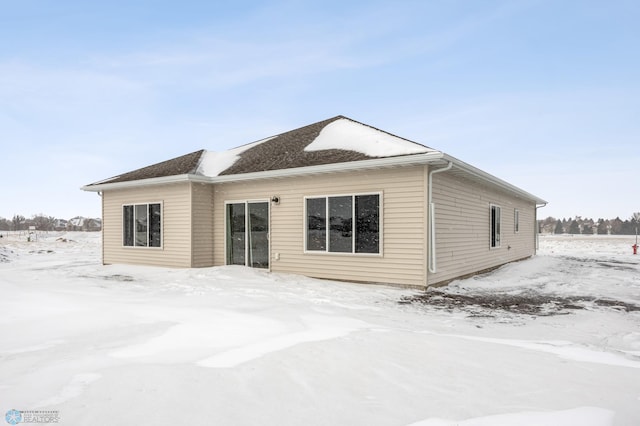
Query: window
343	224
141	225
516	221
317	224
495	226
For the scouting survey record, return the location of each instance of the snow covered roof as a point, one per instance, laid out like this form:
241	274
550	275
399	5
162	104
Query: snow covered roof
336	140
347	134
328	146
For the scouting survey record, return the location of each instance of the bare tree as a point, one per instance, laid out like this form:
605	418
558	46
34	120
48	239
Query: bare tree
43	222
18	222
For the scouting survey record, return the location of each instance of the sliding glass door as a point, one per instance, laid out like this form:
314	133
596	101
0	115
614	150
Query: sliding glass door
247	233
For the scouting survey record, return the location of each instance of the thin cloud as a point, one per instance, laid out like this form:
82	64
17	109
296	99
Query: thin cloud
222	64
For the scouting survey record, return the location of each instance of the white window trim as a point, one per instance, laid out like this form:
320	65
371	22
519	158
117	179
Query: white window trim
147	247
516	221
499	242
353	253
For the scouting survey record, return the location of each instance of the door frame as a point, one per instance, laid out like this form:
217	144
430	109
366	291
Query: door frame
246	203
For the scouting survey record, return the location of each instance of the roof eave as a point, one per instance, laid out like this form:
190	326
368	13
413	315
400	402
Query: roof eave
164	180
374	163
432	158
484	176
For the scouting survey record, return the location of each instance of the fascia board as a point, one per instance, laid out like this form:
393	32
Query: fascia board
404	160
434	157
146	182
469	169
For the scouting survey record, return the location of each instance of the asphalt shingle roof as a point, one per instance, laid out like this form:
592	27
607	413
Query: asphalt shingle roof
286	151
185	164
283	151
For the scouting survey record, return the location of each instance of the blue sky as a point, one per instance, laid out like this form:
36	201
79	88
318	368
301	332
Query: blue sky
543	94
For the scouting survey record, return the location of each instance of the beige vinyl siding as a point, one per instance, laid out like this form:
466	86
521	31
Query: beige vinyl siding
202	225
462	212
176	225
402	257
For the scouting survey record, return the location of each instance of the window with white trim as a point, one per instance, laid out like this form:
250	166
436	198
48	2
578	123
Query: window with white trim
142	225
343	224
495	226
516	221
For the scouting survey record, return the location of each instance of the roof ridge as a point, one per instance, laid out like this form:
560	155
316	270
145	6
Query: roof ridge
328	120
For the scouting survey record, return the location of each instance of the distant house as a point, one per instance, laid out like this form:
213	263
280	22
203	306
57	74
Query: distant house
336	199
60	224
80	223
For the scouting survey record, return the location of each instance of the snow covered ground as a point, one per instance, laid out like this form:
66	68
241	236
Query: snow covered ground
123	345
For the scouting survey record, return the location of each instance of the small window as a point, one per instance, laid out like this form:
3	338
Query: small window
368	224
142	225
495	226
317	224
516	221
343	224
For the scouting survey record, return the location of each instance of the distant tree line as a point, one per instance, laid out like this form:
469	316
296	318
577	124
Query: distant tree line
550	225
580	225
42	222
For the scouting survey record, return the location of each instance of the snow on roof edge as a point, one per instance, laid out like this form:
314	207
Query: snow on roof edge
213	163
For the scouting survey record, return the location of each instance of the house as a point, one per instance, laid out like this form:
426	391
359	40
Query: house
336	199
80	223
60	224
